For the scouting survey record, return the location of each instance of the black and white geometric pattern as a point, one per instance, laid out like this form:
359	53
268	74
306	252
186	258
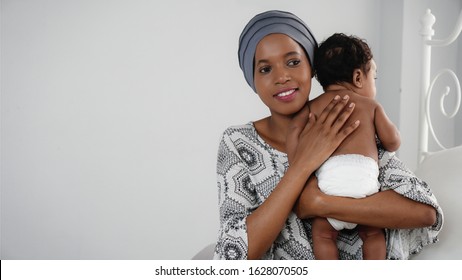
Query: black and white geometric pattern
248	170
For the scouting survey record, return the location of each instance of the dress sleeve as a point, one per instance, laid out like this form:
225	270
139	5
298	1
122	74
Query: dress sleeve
236	198
394	175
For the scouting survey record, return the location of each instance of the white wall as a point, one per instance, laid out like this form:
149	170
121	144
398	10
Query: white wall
111	113
389	58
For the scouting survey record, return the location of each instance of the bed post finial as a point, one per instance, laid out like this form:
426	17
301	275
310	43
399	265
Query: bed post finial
427	21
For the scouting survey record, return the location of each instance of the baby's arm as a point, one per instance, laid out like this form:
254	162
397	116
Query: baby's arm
386	130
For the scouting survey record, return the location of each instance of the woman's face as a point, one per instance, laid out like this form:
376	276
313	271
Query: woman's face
282	74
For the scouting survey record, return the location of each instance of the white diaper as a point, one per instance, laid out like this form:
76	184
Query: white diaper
348	175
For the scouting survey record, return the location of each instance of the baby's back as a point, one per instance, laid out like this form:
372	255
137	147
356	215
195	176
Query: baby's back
362	140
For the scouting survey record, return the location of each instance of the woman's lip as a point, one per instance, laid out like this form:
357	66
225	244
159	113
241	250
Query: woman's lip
286	94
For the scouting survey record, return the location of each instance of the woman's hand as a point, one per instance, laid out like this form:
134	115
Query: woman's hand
310	141
310	202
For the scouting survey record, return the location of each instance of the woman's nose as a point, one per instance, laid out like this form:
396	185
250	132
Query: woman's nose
282	76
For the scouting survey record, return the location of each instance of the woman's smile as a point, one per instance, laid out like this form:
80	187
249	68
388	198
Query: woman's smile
286	95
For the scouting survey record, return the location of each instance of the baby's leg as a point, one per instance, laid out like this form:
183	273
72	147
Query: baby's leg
374	247
324	240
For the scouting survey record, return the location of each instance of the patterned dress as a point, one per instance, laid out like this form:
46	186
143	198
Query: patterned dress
248	170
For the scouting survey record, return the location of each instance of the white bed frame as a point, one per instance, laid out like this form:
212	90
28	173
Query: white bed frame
427	86
441	169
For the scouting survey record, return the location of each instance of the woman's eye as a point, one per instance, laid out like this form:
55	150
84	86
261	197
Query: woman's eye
294	62
265	69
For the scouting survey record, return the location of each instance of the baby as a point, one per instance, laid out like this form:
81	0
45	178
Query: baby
344	67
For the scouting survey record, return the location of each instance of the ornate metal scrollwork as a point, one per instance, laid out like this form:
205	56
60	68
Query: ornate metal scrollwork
443	96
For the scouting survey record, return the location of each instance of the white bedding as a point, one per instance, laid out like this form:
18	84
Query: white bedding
443	173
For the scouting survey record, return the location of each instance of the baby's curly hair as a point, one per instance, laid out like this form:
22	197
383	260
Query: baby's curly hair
338	56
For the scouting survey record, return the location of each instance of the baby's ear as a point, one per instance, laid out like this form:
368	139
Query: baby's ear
358	78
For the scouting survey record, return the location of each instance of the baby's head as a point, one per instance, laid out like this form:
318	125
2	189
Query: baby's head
340	57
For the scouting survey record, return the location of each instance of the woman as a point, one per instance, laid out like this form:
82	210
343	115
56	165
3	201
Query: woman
264	167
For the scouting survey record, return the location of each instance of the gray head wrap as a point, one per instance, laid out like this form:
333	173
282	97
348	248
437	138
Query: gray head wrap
268	23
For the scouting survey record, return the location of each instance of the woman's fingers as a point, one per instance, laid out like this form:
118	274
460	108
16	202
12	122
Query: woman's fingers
349	129
321	137
333	108
336	115
315	139
342	117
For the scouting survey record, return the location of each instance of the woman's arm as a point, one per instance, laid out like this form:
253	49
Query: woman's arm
386	209
307	137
